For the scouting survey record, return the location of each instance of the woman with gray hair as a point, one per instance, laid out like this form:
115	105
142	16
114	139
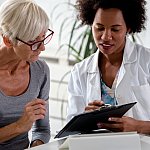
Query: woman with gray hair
24	79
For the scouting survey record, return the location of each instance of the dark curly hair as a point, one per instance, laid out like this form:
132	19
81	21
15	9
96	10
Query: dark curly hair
133	11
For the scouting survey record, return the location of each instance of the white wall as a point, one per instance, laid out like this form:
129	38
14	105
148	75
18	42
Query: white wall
146	35
49	5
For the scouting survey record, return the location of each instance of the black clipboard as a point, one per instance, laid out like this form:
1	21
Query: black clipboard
85	122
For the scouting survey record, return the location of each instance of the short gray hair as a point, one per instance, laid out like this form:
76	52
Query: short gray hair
23	19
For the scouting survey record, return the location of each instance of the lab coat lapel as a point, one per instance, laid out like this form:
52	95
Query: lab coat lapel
125	76
93	78
130	56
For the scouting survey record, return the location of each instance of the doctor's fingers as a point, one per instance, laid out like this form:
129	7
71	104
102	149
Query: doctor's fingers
96	103
116	120
113	127
91	108
123	120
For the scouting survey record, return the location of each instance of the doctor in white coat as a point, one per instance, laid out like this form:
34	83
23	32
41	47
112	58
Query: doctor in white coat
119	72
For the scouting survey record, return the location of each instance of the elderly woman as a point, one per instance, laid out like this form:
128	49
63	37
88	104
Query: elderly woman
24	79
119	72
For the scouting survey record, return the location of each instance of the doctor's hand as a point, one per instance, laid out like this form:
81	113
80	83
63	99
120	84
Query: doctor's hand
94	105
124	124
33	111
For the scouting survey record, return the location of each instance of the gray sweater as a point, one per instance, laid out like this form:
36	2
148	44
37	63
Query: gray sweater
11	108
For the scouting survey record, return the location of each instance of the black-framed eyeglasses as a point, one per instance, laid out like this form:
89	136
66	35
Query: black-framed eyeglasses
34	46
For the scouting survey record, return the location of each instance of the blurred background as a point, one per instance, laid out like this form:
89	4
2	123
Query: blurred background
70	44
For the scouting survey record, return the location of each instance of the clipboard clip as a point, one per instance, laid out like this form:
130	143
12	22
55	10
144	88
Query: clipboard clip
106	106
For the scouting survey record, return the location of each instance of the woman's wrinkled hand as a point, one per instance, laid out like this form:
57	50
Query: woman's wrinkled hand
94	105
33	111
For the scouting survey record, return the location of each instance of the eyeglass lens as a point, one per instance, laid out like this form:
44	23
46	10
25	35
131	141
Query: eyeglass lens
48	37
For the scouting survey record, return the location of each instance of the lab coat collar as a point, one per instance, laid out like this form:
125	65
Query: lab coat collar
93	66
93	74
130	52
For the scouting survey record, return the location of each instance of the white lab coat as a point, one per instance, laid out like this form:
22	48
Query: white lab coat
133	82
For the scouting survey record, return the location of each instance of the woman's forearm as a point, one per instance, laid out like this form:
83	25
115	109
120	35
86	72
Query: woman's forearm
8	132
